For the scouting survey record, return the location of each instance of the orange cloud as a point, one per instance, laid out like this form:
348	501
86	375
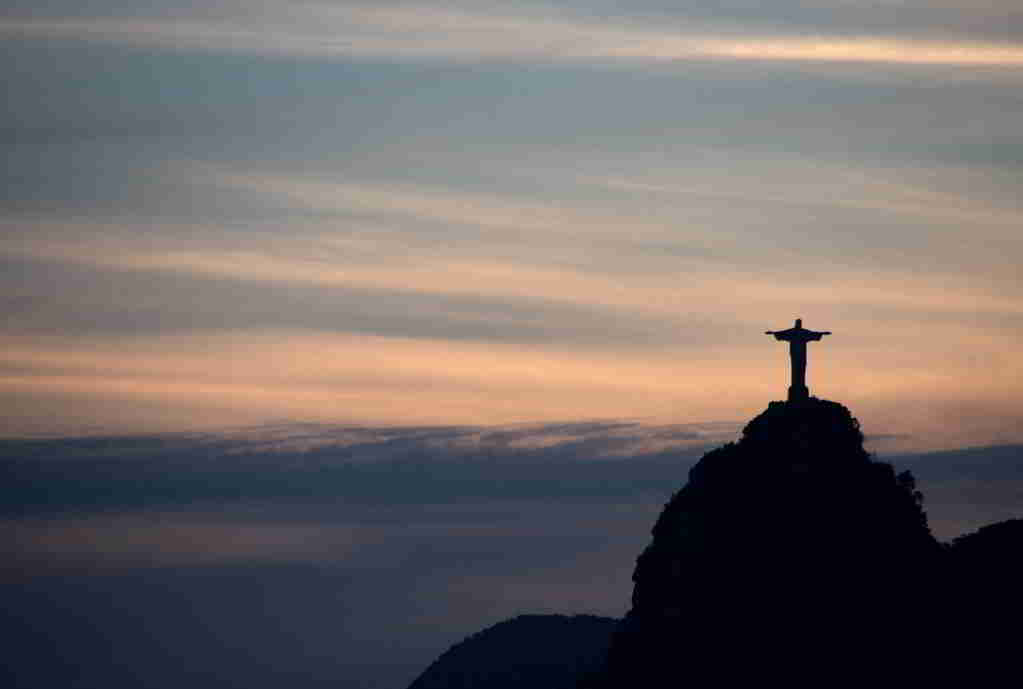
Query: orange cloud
218	380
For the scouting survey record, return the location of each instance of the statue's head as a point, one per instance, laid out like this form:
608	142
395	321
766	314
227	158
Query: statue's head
799	322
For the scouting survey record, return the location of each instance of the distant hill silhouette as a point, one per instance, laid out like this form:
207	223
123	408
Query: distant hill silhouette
789	557
529	651
994	549
987	577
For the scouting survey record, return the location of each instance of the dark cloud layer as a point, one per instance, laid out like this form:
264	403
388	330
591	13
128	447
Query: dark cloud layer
602	461
403	467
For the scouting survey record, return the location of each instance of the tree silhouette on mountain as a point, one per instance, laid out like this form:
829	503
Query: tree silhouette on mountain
790	556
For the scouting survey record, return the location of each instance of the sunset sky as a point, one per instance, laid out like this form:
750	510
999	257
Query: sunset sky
530	225
231	212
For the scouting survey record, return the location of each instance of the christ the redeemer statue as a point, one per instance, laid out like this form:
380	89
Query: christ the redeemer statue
797	337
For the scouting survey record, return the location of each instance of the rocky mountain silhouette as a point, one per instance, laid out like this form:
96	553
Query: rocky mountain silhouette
783	555
793	557
536	651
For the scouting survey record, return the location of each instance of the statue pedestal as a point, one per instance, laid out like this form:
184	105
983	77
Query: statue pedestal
798	393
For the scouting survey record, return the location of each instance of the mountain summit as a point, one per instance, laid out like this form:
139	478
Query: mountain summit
787	554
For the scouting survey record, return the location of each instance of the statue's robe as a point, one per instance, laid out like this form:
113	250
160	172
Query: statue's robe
797	338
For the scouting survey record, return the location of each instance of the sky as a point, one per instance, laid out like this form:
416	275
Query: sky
239	212
516	225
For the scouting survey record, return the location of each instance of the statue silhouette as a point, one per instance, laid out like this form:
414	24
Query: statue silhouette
797	337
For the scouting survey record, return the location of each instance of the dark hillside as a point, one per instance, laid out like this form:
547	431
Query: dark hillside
786	555
534	651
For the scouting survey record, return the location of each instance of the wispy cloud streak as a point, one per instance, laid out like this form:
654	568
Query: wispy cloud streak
421	32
